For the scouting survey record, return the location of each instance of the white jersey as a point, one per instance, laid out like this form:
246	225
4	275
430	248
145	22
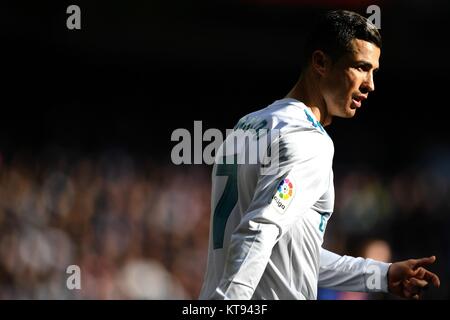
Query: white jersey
267	229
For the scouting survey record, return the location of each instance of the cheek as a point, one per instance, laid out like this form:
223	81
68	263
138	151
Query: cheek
355	80
345	84
351	81
335	86
339	88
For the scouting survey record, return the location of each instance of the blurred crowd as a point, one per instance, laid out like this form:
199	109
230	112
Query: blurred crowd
138	229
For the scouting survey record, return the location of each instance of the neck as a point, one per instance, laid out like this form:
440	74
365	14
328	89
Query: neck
307	91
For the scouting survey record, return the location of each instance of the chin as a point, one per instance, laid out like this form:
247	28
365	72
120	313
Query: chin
347	113
351	113
344	111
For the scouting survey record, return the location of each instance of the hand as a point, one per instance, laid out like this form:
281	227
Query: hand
407	279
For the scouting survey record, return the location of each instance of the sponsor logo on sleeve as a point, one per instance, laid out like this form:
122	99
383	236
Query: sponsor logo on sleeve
283	195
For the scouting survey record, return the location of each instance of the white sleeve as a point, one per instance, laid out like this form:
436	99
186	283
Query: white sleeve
347	273
278	202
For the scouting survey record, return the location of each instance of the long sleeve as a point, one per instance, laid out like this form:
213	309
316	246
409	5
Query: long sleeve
347	273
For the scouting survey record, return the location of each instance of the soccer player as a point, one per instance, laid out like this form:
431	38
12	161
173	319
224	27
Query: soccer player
267	228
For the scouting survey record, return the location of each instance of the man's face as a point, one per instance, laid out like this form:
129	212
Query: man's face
348	81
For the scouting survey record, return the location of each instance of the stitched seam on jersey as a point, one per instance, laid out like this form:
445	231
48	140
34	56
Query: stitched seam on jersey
241	284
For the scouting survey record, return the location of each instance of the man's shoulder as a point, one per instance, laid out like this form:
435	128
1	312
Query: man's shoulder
292	122
282	114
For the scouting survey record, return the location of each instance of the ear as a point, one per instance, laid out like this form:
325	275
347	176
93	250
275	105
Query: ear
320	62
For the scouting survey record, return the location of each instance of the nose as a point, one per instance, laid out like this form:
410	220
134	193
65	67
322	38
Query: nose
368	85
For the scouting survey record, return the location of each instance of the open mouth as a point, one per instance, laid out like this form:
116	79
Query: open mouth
356	102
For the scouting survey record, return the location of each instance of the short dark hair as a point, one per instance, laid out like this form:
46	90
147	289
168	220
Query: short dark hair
335	31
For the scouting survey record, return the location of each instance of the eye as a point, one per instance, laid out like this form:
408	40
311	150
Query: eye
362	68
359	68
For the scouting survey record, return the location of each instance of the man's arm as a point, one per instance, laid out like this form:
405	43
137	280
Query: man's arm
346	273
405	279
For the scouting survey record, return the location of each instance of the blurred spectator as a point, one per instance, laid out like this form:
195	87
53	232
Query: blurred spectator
139	230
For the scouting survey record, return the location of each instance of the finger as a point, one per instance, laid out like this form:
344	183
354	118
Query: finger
422	273
433	278
419	273
419	283
416	263
411	288
411	291
411	295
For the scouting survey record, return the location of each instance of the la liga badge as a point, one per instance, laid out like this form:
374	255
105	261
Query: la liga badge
283	195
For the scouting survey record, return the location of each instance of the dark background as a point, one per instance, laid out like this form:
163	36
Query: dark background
137	71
